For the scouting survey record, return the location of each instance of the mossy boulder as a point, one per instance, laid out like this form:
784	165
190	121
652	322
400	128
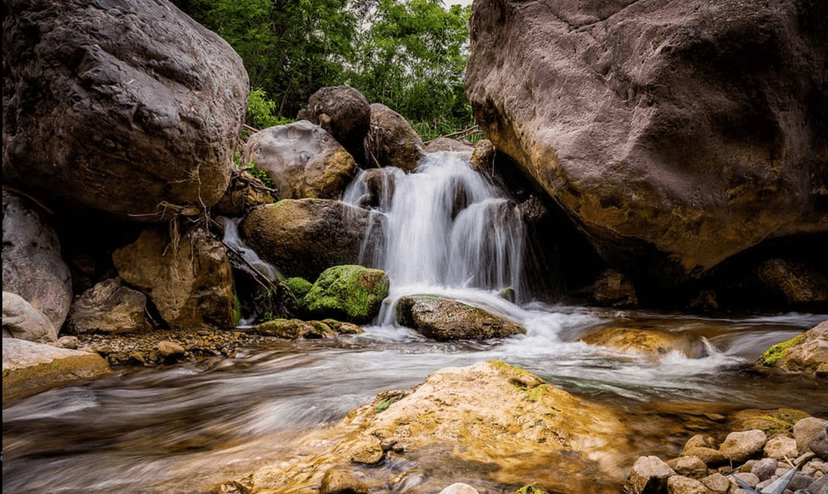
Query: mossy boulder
299	286
805	353
349	293
444	319
295	329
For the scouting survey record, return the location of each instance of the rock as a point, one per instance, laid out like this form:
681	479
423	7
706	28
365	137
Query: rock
109	307
459	488
21	320
820	486
188	279
711	457
652	344
267	478
797	283
689	466
349	292
804	353
483	157
507	294
698	441
294	329
342	327
441	318
716	483
342	481
298	286
307	236
70	342
30	367
169	349
806	430
391	141
244	193
367	451
800	481
819	444
32	265
678	484
748	478
739	446
614	289
126	110
764	468
344	113
445	144
302	160
771	422
658	128
649	475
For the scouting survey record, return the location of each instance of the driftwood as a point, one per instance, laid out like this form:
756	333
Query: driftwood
460	134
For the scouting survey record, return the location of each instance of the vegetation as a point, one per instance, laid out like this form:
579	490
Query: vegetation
776	352
407	54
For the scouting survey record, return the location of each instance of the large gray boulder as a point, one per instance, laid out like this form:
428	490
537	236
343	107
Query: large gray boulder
344	113
675	133
119	106
32	265
21	320
391	141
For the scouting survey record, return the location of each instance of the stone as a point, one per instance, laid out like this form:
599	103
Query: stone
349	292
483	157
21	320
302	160
32	264
698	441
820	486
109	307
614	289
367	451
689	466
764	468
806	430
800	481
294	329
244	193
391	141
803	353
169	349
780	447
70	342
819	444
649	475
716	483
30	367
739	446
342	481
445	144
748	478
298	286
652	344
658	128
459	488
134	111
797	283
711	457
189	278
307	236
443	319
678	484
344	113
342	327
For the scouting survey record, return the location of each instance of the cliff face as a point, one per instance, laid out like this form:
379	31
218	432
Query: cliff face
675	133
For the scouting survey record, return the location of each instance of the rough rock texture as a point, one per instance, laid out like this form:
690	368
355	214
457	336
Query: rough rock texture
447	144
244	193
294	329
188	278
348	292
678	484
302	159
32	264
675	133
806	430
391	141
307	236
796	282
118	106
344	113
780	447
652	344
109	307
30	367
21	320
689	466
442	318
649	475
342	481
739	446
459	488
802	354
613	288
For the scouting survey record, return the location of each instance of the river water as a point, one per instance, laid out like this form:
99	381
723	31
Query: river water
185	428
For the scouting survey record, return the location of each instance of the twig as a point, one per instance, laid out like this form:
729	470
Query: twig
20	192
251	129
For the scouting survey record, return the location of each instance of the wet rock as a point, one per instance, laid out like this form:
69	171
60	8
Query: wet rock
443	319
32	264
797	283
800	481
806	430
650	343
367	451
295	328
483	157
678	484
654	126
307	236
739	446
302	160
381	183
649	475
507	294
349	293
30	367
614	289
764	468
804	353
459	488
711	457
267	478
689	466
342	481
244	193
698	441
442	144
344	113
716	483
109	307
125	110
169	349
188	278
391	141
21	320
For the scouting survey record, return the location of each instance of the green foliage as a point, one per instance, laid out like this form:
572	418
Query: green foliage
386	399
261	111
251	168
776	352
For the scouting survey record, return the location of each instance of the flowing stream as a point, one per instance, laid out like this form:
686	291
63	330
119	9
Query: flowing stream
185	428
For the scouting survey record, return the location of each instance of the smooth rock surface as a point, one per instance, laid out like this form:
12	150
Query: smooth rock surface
806	430
22	321
678	484
441	318
459	488
649	475
650	343
739	446
342	481
780	447
109	307
391	141
344	113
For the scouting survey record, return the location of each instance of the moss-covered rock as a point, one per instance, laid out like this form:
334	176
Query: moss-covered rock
295	329
806	353
442	318
299	286
349	293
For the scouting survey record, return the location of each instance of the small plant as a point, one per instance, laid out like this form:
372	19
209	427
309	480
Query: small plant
252	169
261	110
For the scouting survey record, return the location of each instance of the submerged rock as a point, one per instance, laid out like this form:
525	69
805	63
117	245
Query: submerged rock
650	343
344	113
443	319
391	141
22	321
349	292
806	353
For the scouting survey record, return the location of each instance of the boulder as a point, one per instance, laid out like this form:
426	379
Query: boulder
675	134
780	447
30	367
348	292
689	466
294	329
131	108
21	320
764	468
188	278
442	318
109	307
344	113
716	483
302	160
446	144
650	343
678	484
739	446
614	289
32	264
649	475
711	457
797	283
804	353
244	193
806	430
391	141
307	236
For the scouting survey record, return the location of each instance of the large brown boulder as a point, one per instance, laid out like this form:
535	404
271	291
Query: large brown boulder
445	319
307	236
109	307
118	106
676	133
344	113
189	279
391	141
302	160
806	353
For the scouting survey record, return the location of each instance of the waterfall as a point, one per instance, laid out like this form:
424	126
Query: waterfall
445	225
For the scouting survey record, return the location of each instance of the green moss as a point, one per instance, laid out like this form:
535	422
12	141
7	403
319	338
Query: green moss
776	352
530	490
385	400
299	286
236	309
349	292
